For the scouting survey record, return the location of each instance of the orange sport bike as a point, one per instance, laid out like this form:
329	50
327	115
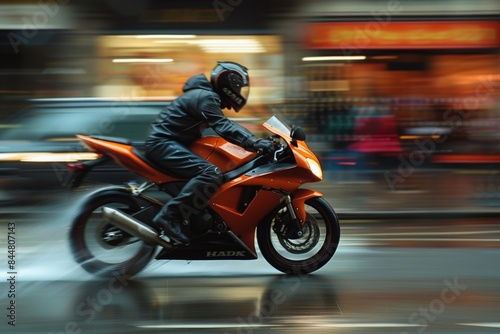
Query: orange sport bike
261	199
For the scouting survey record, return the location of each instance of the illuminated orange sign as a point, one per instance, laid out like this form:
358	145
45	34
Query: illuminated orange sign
401	35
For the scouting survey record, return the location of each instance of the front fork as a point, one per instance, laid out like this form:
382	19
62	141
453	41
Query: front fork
293	231
297	211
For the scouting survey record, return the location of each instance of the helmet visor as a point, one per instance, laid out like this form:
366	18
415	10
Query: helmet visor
244	92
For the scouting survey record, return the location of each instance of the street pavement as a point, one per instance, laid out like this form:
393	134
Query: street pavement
385	278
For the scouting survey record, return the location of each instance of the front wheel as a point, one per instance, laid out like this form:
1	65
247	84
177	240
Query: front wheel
100	247
316	246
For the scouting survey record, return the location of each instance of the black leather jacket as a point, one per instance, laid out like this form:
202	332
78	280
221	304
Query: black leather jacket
188	115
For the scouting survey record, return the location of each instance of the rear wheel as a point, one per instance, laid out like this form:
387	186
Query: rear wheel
316	246
100	247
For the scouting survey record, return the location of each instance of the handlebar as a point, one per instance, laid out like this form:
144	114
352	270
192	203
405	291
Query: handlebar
273	154
281	149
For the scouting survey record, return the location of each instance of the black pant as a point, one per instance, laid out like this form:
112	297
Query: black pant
204	178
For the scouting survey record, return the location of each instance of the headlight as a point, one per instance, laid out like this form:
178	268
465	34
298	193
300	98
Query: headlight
315	168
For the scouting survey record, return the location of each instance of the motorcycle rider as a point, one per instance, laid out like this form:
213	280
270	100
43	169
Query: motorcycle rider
181	123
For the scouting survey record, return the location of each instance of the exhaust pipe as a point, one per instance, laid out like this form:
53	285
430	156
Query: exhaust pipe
135	227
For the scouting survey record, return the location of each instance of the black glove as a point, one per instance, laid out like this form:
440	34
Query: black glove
264	146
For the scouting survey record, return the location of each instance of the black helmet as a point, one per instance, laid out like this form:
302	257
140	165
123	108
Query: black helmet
230	80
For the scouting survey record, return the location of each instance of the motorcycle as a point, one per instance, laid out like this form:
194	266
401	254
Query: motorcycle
260	202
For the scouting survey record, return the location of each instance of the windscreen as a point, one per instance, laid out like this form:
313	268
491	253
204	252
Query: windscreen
279	125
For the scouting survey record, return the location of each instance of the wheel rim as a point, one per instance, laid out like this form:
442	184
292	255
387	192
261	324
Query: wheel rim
315	237
98	227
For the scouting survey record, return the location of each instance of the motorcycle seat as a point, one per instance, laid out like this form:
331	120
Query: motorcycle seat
119	140
139	152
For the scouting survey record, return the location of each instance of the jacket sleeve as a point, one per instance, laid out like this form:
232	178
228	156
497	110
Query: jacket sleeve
224	127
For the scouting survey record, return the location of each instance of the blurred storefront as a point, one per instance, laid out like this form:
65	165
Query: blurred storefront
151	52
136	49
431	66
156	66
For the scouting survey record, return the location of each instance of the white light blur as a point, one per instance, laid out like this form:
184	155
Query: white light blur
48	157
231	45
142	60
333	58
166	36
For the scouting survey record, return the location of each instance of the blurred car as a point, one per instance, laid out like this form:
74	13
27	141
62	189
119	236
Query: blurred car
37	143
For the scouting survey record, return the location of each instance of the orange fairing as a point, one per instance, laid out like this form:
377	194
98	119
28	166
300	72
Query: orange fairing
123	155
299	199
243	224
221	153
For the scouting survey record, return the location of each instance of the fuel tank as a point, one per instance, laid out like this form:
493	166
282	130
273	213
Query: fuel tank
221	153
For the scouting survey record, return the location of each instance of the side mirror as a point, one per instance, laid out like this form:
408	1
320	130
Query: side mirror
297	133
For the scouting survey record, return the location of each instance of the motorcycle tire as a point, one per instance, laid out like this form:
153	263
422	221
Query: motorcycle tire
101	248
304	255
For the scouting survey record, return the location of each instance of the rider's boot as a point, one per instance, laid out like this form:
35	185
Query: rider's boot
173	228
